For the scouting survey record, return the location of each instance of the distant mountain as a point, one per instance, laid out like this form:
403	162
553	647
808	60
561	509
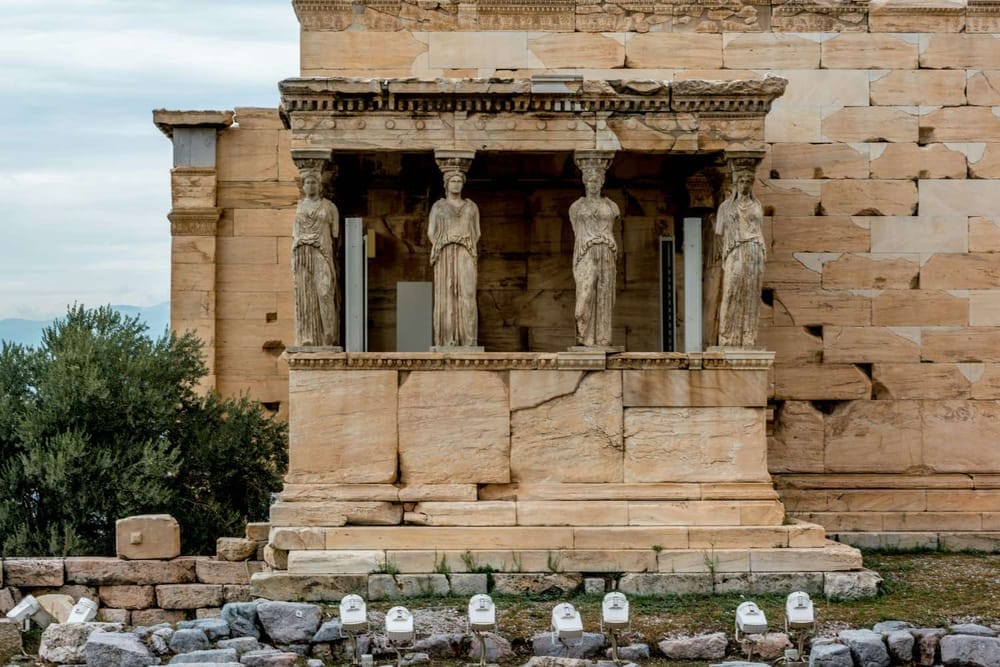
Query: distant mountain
29	332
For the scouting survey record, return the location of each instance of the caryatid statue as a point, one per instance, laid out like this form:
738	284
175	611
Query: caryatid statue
314	255
453	230
739	223
595	252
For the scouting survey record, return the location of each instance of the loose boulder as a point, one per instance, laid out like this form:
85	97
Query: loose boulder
118	649
700	647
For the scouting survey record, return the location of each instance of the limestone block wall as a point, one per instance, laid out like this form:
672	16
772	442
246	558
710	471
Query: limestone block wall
883	278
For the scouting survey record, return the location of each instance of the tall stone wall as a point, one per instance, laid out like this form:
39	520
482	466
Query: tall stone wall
880	185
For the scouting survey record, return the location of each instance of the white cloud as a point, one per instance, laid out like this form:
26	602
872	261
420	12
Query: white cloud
84	175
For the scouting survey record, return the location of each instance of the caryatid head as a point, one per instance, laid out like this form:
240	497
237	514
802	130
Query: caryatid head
744	170
312	183
593	181
454	181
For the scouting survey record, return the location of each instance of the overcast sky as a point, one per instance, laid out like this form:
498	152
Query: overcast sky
84	174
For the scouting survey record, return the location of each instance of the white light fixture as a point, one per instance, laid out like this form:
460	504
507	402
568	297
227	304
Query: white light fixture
399	625
799	612
799	616
25	609
83	611
614	618
482	618
353	621
750	620
399	630
566	623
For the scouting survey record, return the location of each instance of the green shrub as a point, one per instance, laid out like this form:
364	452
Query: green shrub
101	422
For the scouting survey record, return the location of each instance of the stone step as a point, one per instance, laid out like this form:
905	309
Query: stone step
443	539
832	556
532	513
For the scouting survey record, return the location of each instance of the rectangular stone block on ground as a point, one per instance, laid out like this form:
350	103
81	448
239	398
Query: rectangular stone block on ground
336	562
222	572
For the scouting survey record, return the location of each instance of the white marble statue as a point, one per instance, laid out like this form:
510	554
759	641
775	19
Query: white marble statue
739	223
595	254
314	266
453	230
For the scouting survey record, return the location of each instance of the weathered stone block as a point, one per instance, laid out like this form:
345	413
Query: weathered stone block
481	513
33	572
694	444
235	549
307	587
189	596
867	345
821	382
665	584
969	427
454	427
674	50
388	586
334	562
357	408
796	444
703	388
222	572
924	307
878	198
871	271
336	513
872	124
870	51
128	597
866	435
770	50
558	416
520	584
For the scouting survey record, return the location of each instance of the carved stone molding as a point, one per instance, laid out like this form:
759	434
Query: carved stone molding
166	120
983	16
819	16
550	15
500	361
350	96
194	221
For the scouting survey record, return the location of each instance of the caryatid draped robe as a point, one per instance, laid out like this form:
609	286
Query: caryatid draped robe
743	253
595	255
314	272
454	235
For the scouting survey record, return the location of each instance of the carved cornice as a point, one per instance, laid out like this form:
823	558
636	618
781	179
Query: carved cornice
499	361
348	96
556	15
194	221
166	120
753	96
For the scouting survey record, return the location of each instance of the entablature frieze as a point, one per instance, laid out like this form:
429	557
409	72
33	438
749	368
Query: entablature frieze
527	114
590	15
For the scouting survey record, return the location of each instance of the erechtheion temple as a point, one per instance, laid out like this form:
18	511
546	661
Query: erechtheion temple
681	290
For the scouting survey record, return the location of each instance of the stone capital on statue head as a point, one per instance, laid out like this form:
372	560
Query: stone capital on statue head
587	159
451	160
744	160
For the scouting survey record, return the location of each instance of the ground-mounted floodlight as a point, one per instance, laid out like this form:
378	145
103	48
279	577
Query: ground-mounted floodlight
566	623
750	620
482	618
353	622
28	609
83	611
800	620
614	619
399	630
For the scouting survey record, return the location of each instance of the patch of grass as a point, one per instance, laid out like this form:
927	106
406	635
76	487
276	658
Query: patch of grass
441	565
386	566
